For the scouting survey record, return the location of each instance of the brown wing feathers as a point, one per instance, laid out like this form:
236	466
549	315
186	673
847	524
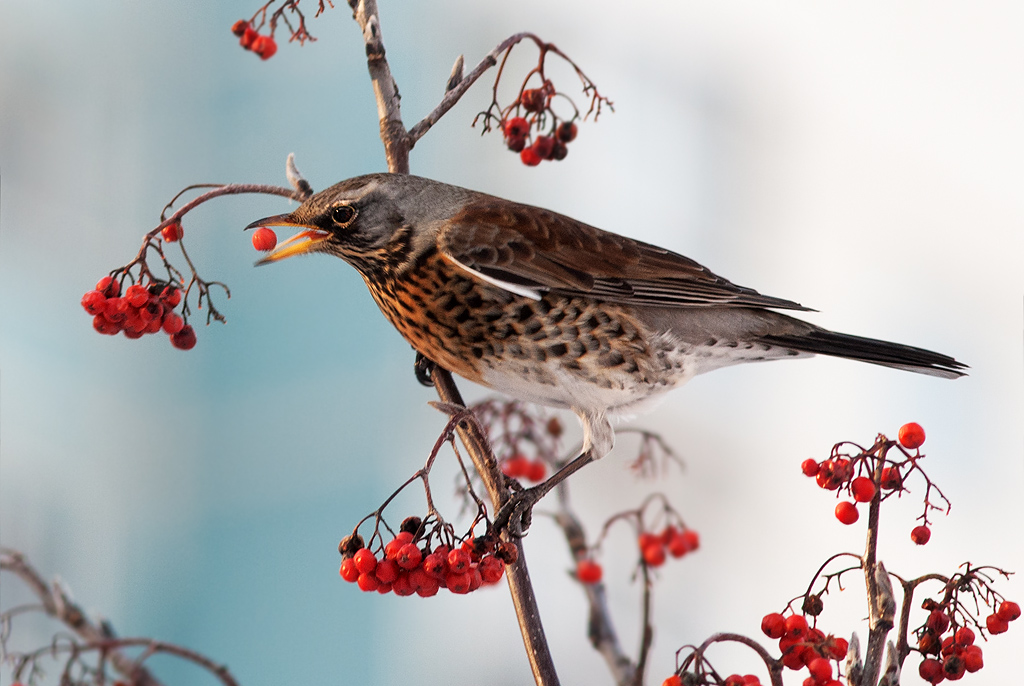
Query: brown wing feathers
533	247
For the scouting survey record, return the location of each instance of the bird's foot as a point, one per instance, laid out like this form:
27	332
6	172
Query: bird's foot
516	515
424	369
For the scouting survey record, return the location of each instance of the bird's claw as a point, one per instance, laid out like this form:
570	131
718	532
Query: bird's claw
516	515
424	368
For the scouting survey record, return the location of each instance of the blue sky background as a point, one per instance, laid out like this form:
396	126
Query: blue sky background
864	159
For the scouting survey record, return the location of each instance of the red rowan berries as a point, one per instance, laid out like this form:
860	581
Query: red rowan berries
911	435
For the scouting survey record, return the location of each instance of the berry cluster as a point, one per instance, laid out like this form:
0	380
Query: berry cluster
839	472
250	39
405	568
550	146
142	309
803	645
955	653
673	541
519	466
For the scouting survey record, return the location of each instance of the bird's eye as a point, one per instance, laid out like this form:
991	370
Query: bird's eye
343	215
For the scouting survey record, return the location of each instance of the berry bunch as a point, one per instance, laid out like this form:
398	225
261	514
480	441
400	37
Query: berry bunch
535	149
519	466
804	645
731	680
250	39
404	567
673	541
142	309
946	643
857	475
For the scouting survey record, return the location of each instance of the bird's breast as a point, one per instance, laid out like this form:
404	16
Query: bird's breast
559	351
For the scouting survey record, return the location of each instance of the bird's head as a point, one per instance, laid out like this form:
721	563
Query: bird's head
368	219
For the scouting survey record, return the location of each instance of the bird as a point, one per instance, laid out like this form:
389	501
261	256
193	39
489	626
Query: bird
549	310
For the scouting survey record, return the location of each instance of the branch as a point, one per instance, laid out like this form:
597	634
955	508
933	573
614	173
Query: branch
58	605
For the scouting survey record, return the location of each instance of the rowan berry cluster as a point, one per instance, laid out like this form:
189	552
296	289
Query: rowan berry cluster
250	39
655	547
951	646
539	147
871	473
140	310
804	645
407	565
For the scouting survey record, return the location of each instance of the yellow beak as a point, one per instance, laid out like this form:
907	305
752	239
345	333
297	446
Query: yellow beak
304	242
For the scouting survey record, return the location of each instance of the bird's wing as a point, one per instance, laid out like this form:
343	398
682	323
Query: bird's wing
530	250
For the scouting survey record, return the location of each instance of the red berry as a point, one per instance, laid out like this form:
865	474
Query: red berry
116	309
366	561
348	570
911	435
185	339
172	323
1008	611
973	660
837	647
566	132
846	512
516	466
996	625
264	46
105	326
136	295
249	35
491	569
109	286
891	478
588	571
401	586
458	561
648	539
367	582
953	667
558	151
809	467
516	144
938	621
544	145
530	157
171	296
533	100
863	489
94	302
516	127
536	471
796	626
920	534
820	669
386	571
476	580
931	671
409	556
264	239
428	588
654	555
949	646
435	564
773	625
172	232
554	427
964	636
674	680
238	28
458	582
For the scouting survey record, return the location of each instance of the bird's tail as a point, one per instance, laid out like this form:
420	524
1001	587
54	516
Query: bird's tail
871	350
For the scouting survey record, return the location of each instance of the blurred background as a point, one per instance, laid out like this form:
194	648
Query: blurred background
864	159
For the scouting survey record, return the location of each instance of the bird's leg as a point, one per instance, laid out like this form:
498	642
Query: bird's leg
517	512
423	367
598	439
